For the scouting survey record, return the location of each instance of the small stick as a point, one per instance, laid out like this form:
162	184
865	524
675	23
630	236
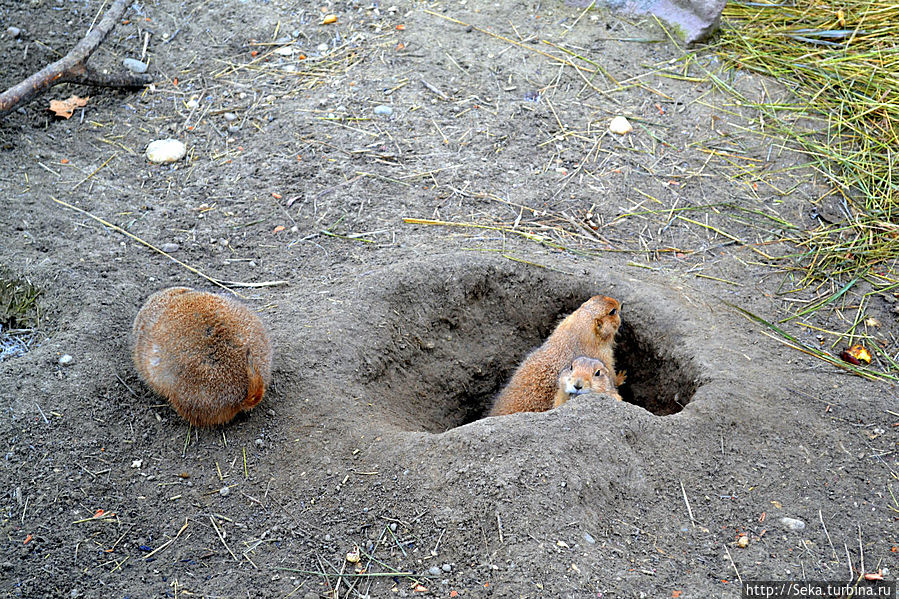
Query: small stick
44	416
499	526
222	538
149	245
734	564
169	542
827	534
689	510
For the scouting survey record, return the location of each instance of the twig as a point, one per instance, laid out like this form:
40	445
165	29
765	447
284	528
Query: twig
149	245
169	542
689	510
827	534
72	67
222	538
734	564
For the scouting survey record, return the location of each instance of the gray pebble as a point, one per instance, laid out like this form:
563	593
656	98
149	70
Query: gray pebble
259	443
434	571
393	527
322	48
327	538
295	33
170	247
589	538
230	116
310	596
447	568
14	32
793	523
224	491
65	360
383	110
233	129
134	65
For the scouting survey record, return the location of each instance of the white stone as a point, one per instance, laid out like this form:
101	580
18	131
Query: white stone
620	125
285	51
165	150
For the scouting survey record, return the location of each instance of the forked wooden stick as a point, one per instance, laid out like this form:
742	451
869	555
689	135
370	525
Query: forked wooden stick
72	68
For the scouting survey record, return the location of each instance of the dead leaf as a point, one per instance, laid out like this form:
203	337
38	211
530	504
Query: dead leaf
66	108
856	355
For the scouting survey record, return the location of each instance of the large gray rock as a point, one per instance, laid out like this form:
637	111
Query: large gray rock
692	20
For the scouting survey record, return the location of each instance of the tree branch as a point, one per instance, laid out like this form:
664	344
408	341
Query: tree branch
72	68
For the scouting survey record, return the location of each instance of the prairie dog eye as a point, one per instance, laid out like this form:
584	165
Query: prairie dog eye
597	373
613	311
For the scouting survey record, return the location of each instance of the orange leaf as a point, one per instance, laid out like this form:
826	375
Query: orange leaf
27	539
856	355
329	19
420	588
278	229
276	195
98	513
64	161
874	575
454	593
676	594
65	108
400	27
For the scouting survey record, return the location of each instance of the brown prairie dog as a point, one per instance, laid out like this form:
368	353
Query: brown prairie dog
588	331
585	374
206	353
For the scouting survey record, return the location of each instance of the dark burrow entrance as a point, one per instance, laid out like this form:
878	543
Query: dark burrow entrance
446	348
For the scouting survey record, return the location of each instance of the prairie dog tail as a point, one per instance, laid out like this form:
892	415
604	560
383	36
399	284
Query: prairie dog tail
256	387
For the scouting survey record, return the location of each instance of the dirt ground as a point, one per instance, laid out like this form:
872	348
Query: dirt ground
393	336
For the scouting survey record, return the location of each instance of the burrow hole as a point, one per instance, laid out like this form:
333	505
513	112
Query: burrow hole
450	350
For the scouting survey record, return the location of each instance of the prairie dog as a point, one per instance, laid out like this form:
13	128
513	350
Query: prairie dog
206	353
584	374
588	331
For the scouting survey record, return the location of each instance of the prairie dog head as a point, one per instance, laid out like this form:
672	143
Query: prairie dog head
585	374
606	314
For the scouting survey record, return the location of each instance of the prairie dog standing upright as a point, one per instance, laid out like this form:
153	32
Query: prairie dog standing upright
583	375
588	331
206	353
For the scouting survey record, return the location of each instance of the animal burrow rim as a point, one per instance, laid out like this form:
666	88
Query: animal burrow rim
452	380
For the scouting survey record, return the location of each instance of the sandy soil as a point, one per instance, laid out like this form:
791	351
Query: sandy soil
392	337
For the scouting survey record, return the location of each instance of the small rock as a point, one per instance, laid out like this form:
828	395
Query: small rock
165	150
327	538
134	65
14	32
285	51
323	48
447	568
620	125
259	443
233	129
137	464
170	247
353	556
311	595
393	527
383	110
230	117
793	523
65	360
743	542
224	491
434	571
193	103
589	538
